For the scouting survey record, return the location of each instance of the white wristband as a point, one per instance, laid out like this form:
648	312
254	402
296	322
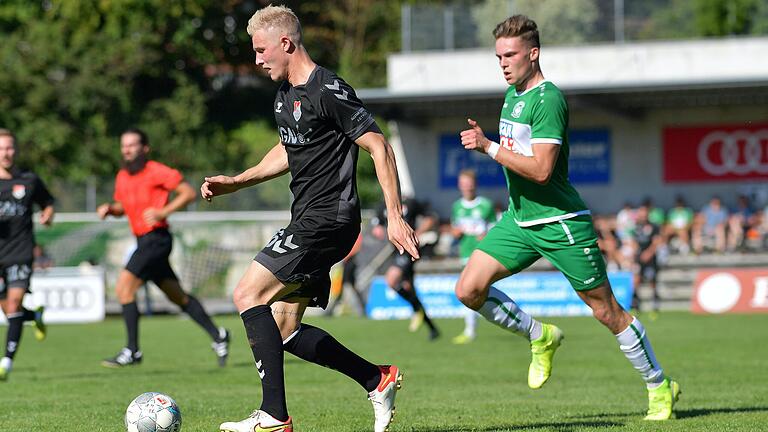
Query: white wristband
493	150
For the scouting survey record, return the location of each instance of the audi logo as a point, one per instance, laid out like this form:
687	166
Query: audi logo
67	298
741	152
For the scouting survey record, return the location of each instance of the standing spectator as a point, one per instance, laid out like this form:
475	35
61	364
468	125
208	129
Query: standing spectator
679	222
471	217
709	225
649	240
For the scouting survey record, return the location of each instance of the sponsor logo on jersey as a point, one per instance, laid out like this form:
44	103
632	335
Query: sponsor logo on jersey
518	109
279	107
19	191
289	136
296	110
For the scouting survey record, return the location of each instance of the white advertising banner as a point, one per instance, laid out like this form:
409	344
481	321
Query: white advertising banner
69	294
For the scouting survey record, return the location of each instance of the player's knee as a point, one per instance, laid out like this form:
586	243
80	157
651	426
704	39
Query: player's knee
124	294
246	297
469	294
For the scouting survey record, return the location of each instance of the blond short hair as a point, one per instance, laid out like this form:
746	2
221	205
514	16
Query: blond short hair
7	133
277	17
470	173
519	25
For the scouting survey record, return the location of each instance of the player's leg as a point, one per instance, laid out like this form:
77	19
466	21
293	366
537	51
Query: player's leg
126	287
663	392
15	316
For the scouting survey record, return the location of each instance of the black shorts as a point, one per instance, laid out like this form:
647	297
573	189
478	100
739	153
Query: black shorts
149	261
15	276
296	255
404	263
648	271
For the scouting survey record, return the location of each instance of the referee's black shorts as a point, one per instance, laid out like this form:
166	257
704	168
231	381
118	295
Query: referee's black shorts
149	261
297	255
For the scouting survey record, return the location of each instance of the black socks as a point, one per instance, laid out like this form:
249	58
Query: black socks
267	346
195	310
131	318
15	325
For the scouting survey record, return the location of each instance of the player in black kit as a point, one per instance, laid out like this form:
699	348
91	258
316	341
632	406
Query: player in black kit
19	191
399	274
321	124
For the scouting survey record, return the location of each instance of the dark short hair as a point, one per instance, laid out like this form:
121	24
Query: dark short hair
143	138
519	25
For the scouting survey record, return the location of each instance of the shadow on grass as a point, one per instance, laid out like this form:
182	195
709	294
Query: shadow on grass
680	413
552	426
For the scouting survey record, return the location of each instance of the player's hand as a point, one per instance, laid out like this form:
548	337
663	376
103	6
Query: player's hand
103	211
218	185
402	236
474	138
46	217
153	216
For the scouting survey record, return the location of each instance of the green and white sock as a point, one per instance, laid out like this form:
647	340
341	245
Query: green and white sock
637	348
504	312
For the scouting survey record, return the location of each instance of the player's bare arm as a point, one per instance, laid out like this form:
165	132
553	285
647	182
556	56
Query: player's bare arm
185	194
537	168
46	215
110	209
400	233
274	164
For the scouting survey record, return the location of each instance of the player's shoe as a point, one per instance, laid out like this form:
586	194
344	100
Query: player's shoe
221	346
417	320
662	399
434	333
5	368
383	397
258	421
462	339
41	330
125	357
542	351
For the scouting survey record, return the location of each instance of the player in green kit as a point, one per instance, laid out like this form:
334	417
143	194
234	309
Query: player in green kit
471	217
546	217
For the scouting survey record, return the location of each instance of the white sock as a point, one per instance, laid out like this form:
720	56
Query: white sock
637	348
6	363
502	311
470	323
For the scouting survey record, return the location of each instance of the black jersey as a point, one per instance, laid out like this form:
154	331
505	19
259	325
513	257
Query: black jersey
17	195
318	123
644	236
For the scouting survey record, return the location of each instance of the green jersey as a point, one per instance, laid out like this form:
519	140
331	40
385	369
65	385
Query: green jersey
473	218
538	115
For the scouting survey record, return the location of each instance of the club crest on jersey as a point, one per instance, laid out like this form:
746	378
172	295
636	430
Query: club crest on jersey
518	109
296	110
19	191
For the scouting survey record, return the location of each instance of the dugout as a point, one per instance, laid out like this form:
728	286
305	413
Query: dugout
647	119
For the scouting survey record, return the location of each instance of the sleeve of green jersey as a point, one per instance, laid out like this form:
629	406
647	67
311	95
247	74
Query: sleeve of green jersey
550	118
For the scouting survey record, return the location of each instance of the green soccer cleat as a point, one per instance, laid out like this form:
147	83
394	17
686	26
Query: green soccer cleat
417	320
662	399
41	330
462	339
5	368
542	351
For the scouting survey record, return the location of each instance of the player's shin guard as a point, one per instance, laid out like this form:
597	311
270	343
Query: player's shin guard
131	318
195	310
15	325
267	346
504	312
637	348
317	346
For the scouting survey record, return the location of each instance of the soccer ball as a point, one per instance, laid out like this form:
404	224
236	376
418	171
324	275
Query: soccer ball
153	412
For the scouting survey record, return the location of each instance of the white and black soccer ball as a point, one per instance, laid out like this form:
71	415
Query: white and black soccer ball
153	412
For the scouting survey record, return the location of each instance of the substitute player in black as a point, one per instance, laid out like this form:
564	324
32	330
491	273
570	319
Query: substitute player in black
399	274
321	123
20	190
648	238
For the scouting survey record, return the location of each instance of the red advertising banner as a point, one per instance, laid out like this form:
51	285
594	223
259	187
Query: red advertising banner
730	290
715	153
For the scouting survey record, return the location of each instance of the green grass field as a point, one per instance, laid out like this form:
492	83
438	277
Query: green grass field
720	361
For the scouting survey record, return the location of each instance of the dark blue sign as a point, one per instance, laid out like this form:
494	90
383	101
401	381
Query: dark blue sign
589	161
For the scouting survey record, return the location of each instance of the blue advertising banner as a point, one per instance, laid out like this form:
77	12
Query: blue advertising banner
538	293
589	161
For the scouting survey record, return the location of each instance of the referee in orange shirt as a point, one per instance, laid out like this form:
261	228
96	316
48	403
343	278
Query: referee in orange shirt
142	189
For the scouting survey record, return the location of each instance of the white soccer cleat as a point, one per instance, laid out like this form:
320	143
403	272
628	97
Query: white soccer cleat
258	421
383	397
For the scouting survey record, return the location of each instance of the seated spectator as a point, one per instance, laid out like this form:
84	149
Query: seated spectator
709	226
625	222
679	222
740	221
